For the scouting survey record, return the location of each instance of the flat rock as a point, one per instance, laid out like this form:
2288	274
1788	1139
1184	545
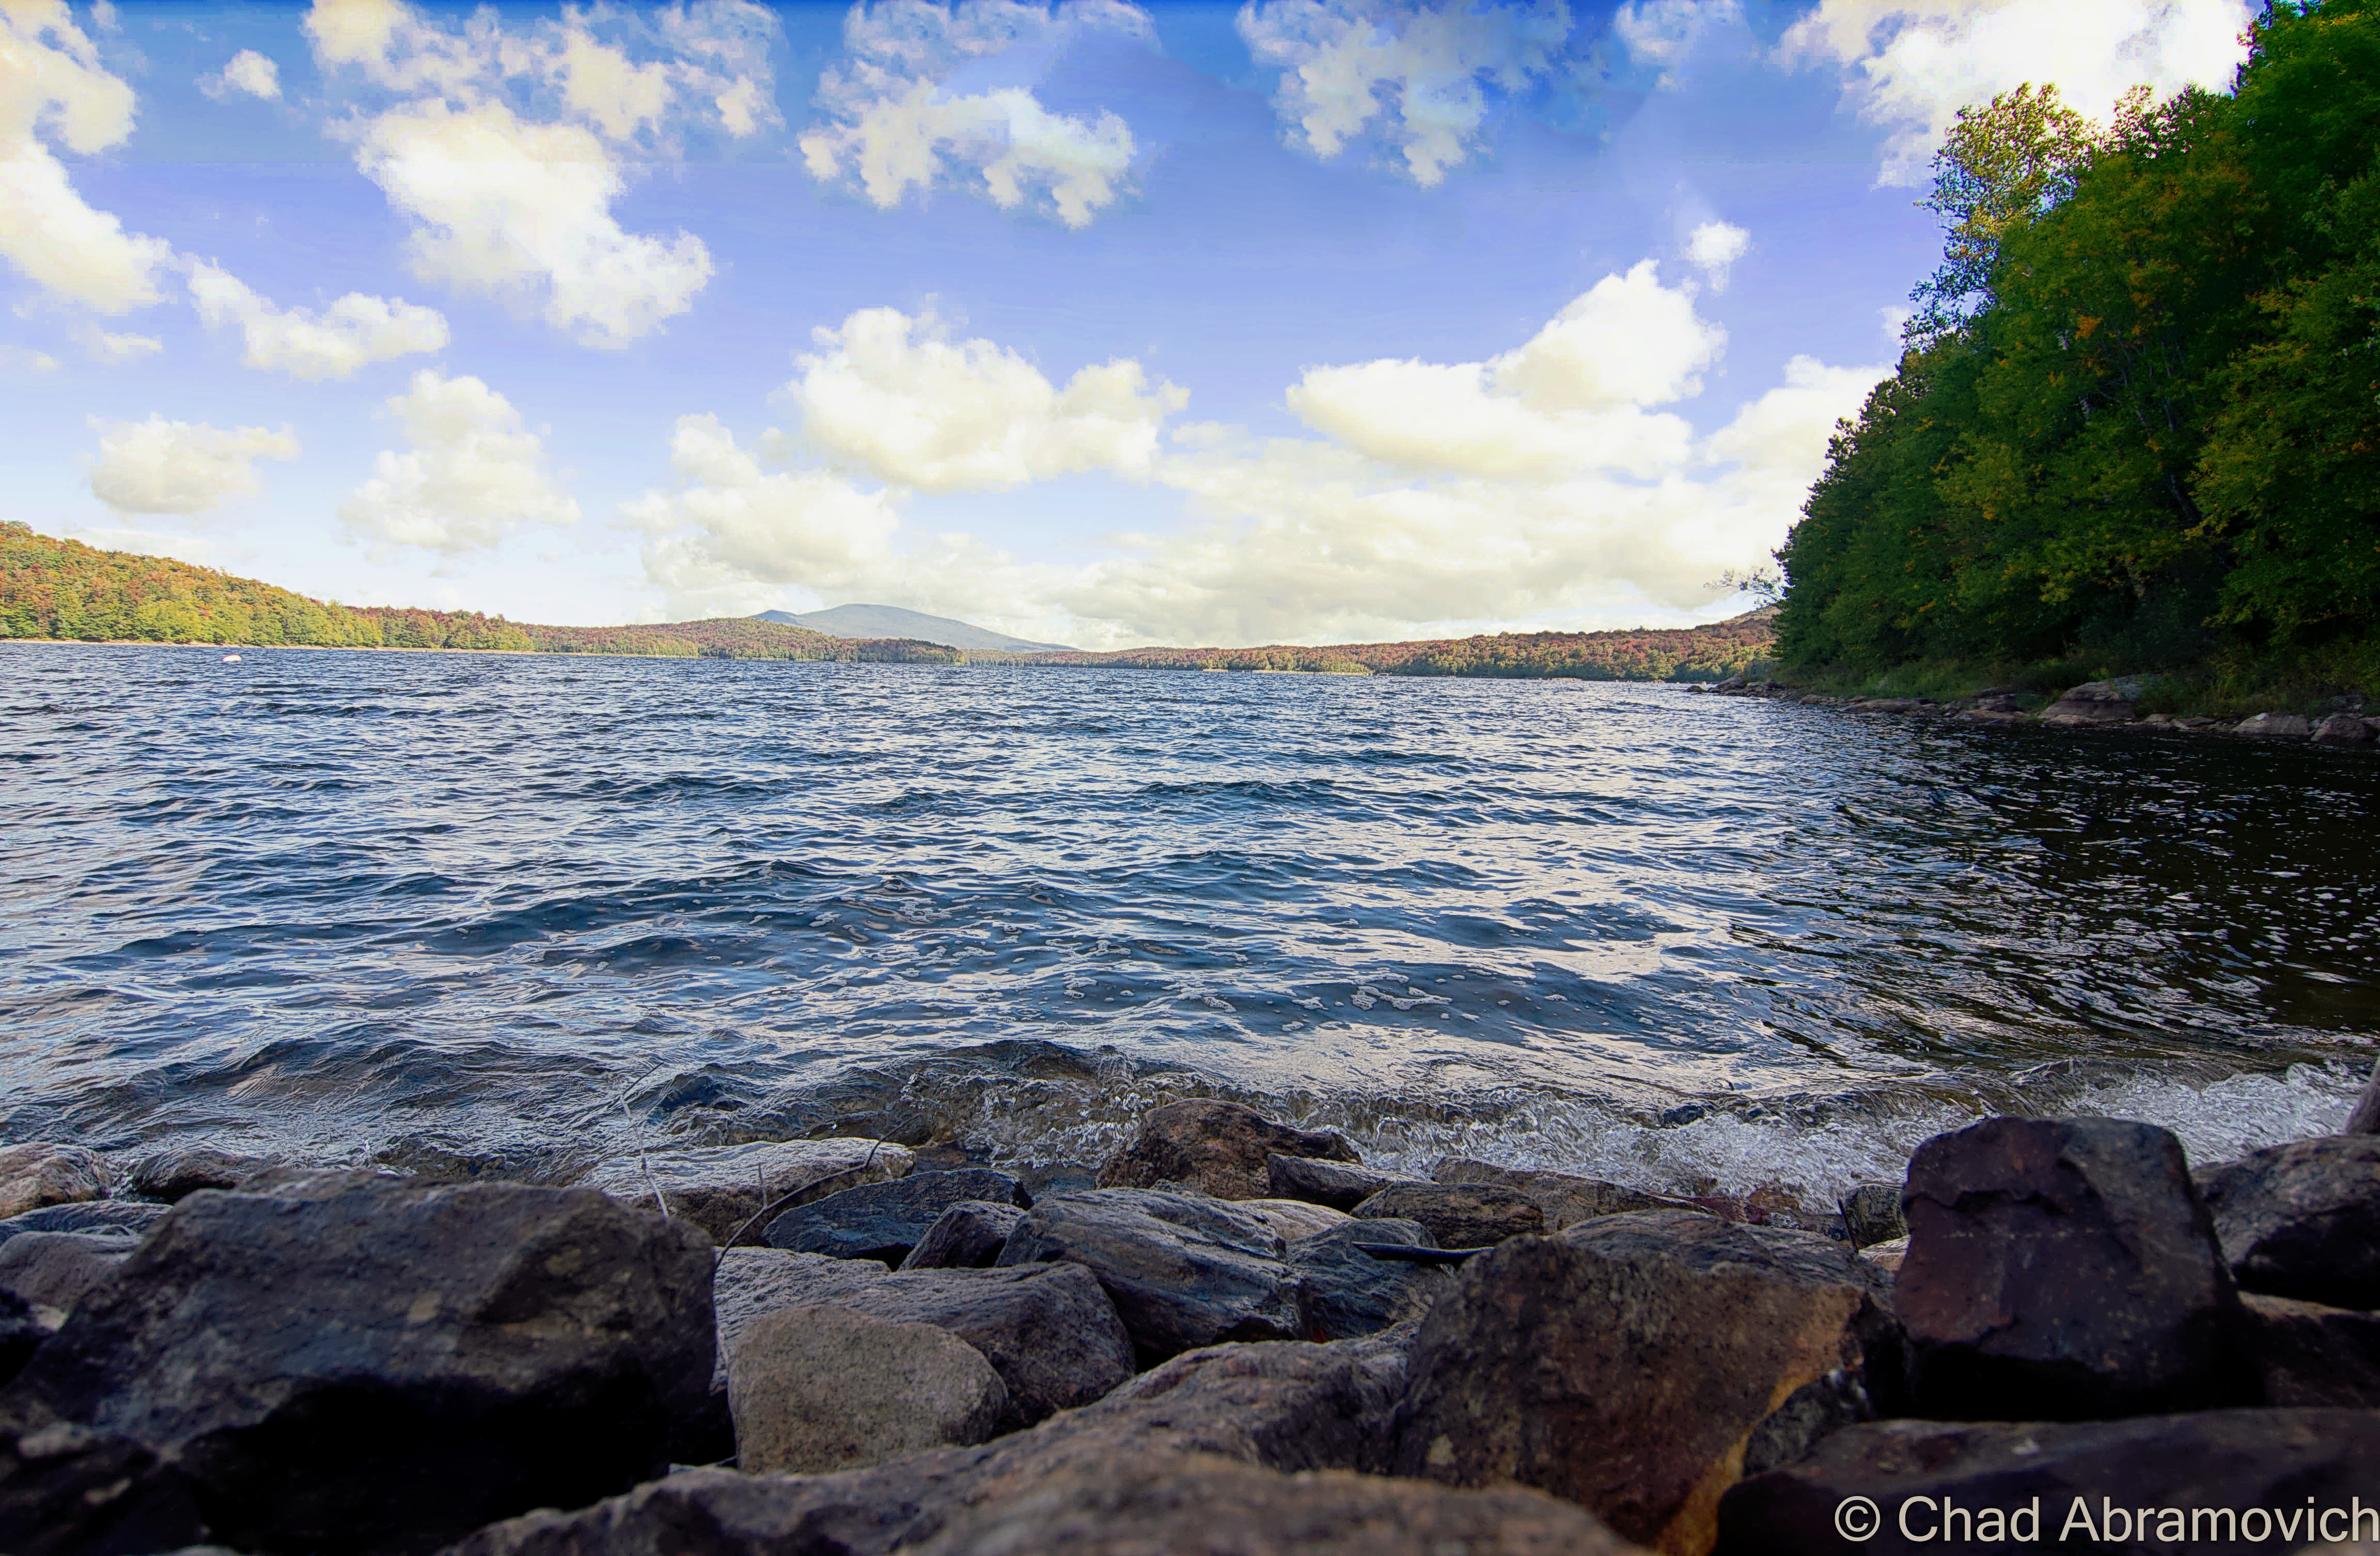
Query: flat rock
1342	1186
886	1219
2302	1219
1183	1271
55	1269
968	1235
2305	1353
1629	1363
721	1189
1199	1506
342	1362
2063	1268
1566	1199
2061	1482
2093	702
1346	1293
1293	1218
47	1172
64	1491
2273	726
816	1389
1458	1215
1222	1148
174	1174
122	1218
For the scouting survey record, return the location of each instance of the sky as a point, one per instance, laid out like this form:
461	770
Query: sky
1297	321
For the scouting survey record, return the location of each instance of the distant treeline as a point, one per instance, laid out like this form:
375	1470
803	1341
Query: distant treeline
2137	426
62	589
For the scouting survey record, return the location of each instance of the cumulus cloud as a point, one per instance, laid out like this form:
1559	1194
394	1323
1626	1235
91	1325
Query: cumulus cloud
1416	76
1713	248
893	396
105	345
25	360
246	73
897	113
510	196
1665	32
51	88
331	343
473	475
1914	64
161	466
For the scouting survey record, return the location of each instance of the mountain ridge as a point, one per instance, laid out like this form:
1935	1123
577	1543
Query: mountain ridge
869	621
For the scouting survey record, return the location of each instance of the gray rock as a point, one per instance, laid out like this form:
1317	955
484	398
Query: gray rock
1566	1199
1627	1363
1347	1293
121	1218
55	1269
2305	1353
2063	1268
2343	729
1342	1186
1183	1271
2093	702
1293	1219
341	1362
816	1389
175	1174
47	1173
21	1329
2273	726
1458	1215
968	1235
1872	1214
723	1188
2302	1219
64	1491
1216	1148
886	1221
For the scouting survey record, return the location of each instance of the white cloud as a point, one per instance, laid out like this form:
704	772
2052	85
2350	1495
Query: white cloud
51	83
1666	33
898	114
1421	71
202	549
103	346
1713	248
1913	67
473	475
247	72
333	343
161	466
25	360
890	395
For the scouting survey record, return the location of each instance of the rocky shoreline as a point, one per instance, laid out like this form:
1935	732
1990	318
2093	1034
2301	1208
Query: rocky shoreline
1233	1337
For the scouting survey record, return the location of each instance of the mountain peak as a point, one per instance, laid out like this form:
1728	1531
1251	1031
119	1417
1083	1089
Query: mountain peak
892	621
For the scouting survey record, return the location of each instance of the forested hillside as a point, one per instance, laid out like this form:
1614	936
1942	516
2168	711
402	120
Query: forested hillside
2137	426
62	589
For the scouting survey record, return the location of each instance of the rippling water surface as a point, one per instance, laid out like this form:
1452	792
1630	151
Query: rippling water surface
507	913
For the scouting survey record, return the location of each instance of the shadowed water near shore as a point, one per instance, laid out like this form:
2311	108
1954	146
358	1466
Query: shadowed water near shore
519	914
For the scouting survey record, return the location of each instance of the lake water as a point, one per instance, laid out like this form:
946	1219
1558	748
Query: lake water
507	913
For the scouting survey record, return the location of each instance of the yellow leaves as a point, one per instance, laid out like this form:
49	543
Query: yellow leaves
2084	325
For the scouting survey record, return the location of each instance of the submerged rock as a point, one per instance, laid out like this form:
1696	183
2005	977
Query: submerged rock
1469	1215
2302	1219
1217	1147
723	1188
886	1221
816	1389
47	1172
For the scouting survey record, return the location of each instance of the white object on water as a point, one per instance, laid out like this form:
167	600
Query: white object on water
231	659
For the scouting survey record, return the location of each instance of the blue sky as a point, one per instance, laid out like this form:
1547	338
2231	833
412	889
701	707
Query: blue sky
1295	321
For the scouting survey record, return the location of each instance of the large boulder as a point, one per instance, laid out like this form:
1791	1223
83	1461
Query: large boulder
1342	1186
1346	1293
2306	1354
2343	729
2095	702
968	1235
2156	1482
886	1221
724	1189
1183	1271
2064	1270
47	1172
1048	1330
1458	1215
1566	1199
175	1173
341	1362
1630	1362
1198	1505
2273	726
1222	1148
816	1389
2302	1219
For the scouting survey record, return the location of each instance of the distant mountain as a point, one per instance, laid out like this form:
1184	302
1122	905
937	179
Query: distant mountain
890	621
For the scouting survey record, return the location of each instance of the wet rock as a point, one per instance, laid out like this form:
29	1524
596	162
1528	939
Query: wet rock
119	1218
175	1174
1346	1293
1872	1214
1195	1506
968	1235
1566	1199
1628	1362
2069	1487
816	1389
1458	1215
1342	1186
1293	1218
2302	1219
49	1173
1287	1407
2095	702
2343	729
342	1362
55	1269
723	1188
1217	1147
2306	1354
886	1221
2063	1270
21	1329
64	1491
2273	726
1183	1271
